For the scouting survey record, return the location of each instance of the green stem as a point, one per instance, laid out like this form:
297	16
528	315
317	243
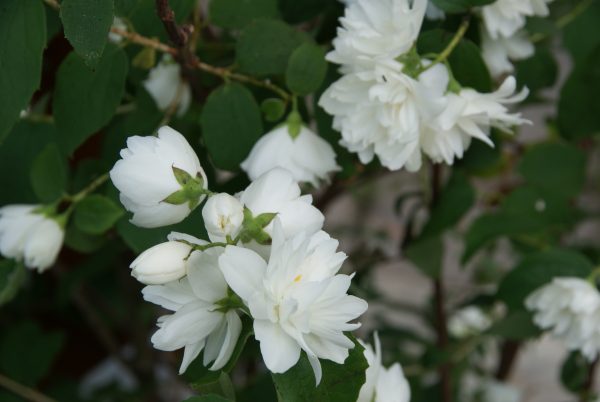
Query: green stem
593	276
460	33
100	180
23	391
565	19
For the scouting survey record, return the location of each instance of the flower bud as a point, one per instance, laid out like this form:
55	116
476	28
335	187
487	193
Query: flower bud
223	216
162	263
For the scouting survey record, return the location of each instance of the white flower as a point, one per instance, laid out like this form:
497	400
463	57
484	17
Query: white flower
30	236
470	320
495	391
383	385
297	299
376	31
471	114
223	216
119	24
277	192
198	322
570	309
145	177
164	262
308	157
433	12
165	85
499	52
505	17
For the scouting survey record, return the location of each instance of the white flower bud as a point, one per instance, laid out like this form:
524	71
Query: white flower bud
165	84
29	236
223	216
162	263
151	177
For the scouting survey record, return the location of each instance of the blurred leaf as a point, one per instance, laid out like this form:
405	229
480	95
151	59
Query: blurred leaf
306	69
459	6
582	35
23	33
515	326
81	241
95	214
295	11
455	200
231	125
554	168
340	383
85	100
482	160
12	275
539	71
255	58
236	14
538	269
208	398
426	253
86	25
273	109
49	174
574	372
468	66
27	352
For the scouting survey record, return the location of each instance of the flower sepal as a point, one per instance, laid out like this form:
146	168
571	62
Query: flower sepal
192	188
253	227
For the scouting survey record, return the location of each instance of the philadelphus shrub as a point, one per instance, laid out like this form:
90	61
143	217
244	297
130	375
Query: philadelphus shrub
267	257
398	106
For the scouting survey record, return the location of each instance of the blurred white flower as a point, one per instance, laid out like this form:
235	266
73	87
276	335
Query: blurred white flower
166	261
569	308
223	216
199	321
28	235
499	52
277	192
297	299
145	176
496	391
503	18
165	85
470	320
433	12
119	24
376	31
382	385
308	157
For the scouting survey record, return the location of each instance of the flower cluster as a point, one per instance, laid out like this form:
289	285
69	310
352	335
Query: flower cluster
503	35
266	257
393	103
32	234
570	308
382	385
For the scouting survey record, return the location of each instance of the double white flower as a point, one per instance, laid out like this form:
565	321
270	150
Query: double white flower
570	309
153	169
382	384
199	322
308	157
28	235
297	299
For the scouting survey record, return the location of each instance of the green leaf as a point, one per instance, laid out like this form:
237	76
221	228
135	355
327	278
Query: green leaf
208	398
95	214
426	254
254	57
459	6
538	269
466	62
23	33
516	326
574	372
554	168
27	352
582	35
86	25
81	241
539	71
273	109
455	200
340	383
236	14
12	275
85	100
49	174
231	125
306	69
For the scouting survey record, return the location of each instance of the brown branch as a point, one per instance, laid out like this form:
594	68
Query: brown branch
588	386
24	392
143	41
508	356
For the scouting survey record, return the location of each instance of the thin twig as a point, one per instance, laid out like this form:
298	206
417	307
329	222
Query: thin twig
23	391
143	41
462	30
508	357
564	20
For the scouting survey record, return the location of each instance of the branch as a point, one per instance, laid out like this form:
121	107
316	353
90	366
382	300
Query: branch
588	386
510	350
24	392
